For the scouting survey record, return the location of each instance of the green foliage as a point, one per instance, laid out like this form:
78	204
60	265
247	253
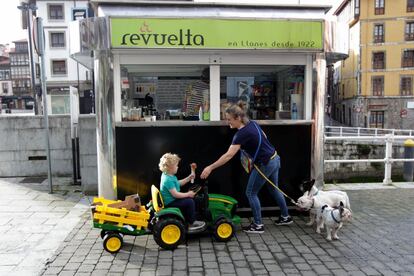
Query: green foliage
363	149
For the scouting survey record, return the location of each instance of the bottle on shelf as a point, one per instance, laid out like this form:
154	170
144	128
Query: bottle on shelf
294	114
200	113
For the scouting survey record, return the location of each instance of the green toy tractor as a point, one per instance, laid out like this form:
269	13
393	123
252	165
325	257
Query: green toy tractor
170	228
167	225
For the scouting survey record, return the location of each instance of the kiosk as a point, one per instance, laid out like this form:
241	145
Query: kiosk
150	61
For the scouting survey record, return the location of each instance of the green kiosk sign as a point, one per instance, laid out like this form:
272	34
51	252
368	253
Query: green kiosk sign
197	33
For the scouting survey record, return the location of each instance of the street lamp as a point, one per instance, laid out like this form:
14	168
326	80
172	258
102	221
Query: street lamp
29	8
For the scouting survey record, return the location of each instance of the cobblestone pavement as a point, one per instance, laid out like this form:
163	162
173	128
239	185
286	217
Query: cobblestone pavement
33	223
379	241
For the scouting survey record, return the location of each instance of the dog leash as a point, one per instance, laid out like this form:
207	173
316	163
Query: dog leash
273	184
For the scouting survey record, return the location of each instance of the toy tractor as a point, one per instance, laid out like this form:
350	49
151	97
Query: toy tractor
167	225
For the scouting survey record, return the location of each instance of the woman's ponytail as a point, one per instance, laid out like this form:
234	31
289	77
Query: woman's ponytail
238	110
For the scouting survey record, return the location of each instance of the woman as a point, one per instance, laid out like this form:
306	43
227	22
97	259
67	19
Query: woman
255	143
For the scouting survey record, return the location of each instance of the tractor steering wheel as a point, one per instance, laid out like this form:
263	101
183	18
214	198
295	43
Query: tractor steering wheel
195	188
198	187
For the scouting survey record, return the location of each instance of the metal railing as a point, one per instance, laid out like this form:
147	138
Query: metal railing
387	136
361	131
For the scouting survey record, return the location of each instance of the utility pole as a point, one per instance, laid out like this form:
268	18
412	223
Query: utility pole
40	48
29	8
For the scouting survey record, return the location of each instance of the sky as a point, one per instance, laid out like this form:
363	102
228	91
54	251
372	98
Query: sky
11	28
11	25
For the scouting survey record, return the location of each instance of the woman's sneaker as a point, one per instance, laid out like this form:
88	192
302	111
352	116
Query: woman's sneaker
254	228
284	220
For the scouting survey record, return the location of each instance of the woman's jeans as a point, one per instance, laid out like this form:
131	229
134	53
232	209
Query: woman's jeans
255	183
187	207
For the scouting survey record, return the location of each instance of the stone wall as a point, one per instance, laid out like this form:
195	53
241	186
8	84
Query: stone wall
23	147
341	150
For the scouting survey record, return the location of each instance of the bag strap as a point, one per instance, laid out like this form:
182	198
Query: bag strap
260	141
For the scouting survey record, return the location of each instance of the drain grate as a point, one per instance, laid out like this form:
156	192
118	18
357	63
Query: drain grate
33	180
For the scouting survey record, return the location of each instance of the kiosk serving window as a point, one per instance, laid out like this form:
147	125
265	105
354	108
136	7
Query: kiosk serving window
271	92
182	92
164	92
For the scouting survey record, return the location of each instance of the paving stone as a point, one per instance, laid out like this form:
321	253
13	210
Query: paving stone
100	272
208	265
53	270
303	266
241	264
195	269
273	267
309	273
196	274
339	272
370	270
164	270
86	268
131	272
212	272
117	268
244	272
72	266
227	268
256	265
209	257
68	273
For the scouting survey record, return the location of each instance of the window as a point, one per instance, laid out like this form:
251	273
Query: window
379	7
272	92
57	40
408	58
378	33
5	87
409	31
58	67
378	86
378	60
37	70
376	119
21	47
406	86
410	5
356	7
55	12
4	74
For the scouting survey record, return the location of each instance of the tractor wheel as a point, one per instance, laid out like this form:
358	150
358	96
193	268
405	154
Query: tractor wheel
113	242
103	233
223	230
169	233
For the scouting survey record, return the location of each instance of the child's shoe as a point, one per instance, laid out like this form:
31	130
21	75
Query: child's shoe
197	225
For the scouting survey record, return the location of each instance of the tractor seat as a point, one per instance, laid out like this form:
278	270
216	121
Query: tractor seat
157	201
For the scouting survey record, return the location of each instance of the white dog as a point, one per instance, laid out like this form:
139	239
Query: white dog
313	200
333	218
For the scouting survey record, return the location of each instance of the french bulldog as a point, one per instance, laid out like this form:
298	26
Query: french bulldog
313	199
333	218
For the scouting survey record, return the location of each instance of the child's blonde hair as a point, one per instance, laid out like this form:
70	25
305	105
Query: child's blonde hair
168	160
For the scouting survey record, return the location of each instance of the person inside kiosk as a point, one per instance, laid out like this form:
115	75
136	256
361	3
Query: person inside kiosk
197	98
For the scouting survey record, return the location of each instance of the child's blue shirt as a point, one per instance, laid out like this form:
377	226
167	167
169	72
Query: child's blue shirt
168	182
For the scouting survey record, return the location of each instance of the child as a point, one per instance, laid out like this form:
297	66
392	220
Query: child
170	190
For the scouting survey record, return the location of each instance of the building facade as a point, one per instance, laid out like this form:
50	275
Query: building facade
62	71
6	88
375	87
20	76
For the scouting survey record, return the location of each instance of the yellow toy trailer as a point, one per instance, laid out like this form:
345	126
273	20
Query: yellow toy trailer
115	222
